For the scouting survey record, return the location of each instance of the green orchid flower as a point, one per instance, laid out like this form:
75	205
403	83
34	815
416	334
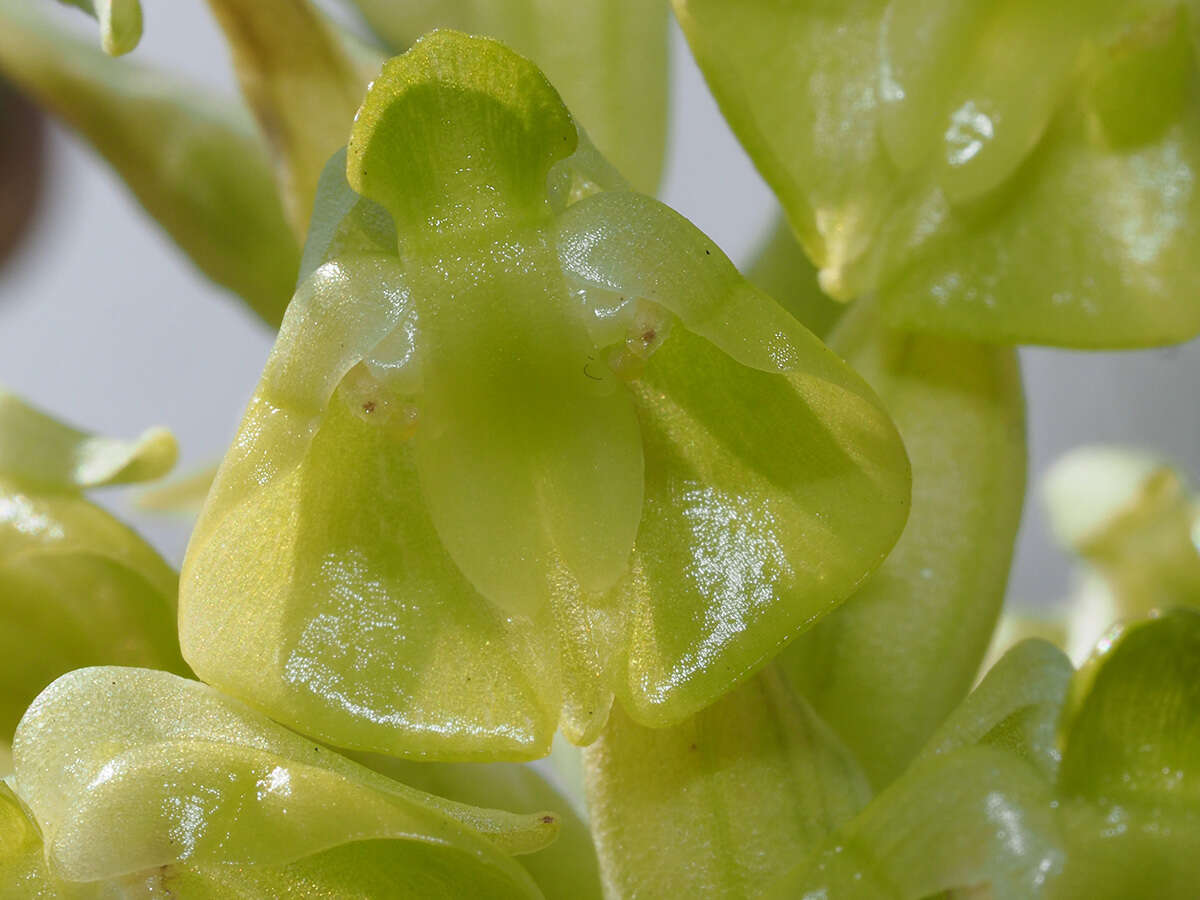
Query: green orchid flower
212	799
1007	171
524	445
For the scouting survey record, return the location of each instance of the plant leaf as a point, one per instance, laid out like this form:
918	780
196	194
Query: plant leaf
392	370
303	83
607	57
196	777
888	666
44	454
979	817
120	22
723	803
194	164
953	158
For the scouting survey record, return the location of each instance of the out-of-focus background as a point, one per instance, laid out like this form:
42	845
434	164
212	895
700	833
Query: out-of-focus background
106	324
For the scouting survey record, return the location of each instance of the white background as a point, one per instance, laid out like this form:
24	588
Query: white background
104	322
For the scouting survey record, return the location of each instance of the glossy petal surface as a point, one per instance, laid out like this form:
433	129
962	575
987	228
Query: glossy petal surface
722	804
361	870
607	57
888	666
512	417
499	494
975	164
196	777
195	165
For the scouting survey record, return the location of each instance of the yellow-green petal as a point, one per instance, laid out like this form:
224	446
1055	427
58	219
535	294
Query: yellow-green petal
361	870
953	158
608	57
195	164
722	804
44	454
455	136
769	499
888	666
193	776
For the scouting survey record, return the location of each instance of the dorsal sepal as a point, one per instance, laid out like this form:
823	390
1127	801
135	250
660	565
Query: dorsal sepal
456	132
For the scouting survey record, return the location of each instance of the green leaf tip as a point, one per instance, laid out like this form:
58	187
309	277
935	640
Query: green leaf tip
37	450
557	403
120	22
458	129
